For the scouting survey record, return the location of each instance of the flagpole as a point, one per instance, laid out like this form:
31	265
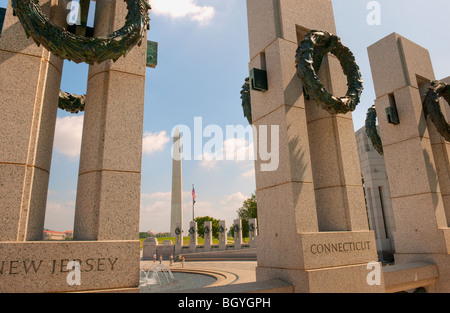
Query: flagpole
193	203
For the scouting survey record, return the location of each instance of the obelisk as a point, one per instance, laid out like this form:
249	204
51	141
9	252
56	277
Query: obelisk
176	215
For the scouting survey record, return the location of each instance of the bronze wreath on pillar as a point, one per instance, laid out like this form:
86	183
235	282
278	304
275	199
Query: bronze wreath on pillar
310	53
371	130
432	108
77	48
246	102
71	103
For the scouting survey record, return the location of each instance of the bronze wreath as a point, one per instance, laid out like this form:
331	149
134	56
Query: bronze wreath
432	108
371	130
310	53
71	103
246	103
77	48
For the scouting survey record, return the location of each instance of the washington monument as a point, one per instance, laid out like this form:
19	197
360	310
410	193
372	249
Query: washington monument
176	216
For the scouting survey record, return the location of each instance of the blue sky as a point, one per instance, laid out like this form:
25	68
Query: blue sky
202	62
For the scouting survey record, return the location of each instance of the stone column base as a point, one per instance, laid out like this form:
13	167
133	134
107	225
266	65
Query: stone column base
340	279
41	266
442	261
336	262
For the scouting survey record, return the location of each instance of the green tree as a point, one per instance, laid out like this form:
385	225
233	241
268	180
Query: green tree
248	210
200	226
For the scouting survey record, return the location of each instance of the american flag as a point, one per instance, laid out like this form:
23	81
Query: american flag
193	194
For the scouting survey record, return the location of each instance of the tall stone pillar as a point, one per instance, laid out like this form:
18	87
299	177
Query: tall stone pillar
378	196
416	156
30	81
176	211
311	212
108	197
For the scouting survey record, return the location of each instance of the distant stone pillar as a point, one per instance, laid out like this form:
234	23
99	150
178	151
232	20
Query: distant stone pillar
149	248
237	226
416	156
178	238
108	196
193	237
29	88
207	235
252	232
315	195
378	196
222	235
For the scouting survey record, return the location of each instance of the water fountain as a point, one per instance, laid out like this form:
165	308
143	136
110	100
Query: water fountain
159	278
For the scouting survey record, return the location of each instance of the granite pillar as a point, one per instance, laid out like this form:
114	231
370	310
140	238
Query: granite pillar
193	237
252	232
222	235
315	196
108	195
178	238
207	235
28	118
415	155
237	225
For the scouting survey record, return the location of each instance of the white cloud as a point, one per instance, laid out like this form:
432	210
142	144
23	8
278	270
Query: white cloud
230	204
68	135
238	149
234	149
157	195
155	209
60	216
209	161
237	197
249	174
154	142
183	9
